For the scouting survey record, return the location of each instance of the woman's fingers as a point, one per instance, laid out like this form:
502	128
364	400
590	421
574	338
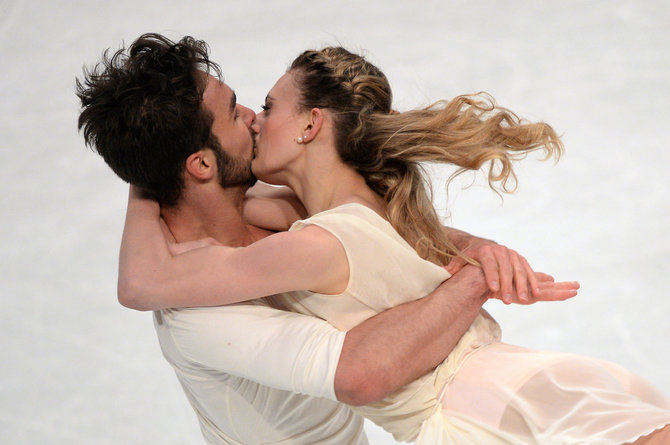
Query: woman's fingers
507	274
510	277
521	278
490	267
533	279
179	248
547	290
497	270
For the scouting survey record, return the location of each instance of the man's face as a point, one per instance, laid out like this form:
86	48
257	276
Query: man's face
231	128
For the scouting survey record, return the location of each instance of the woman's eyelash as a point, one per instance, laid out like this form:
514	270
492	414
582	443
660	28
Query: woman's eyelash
265	107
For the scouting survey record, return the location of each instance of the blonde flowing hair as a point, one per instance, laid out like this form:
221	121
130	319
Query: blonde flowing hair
388	148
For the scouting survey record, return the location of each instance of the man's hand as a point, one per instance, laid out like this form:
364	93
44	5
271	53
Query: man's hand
509	276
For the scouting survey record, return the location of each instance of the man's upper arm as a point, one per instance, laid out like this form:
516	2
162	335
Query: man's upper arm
274	348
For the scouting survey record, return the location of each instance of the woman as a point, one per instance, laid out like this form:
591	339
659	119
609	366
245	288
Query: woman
328	132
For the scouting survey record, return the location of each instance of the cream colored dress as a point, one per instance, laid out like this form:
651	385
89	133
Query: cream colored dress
485	392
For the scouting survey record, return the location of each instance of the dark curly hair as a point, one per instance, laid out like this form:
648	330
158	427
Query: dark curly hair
142	111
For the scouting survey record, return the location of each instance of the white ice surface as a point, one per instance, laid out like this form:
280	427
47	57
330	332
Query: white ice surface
78	368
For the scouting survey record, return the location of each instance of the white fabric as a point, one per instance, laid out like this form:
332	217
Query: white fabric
385	271
551	398
485	392
372	251
257	375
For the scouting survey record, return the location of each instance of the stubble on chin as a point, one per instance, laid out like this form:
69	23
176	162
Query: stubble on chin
234	171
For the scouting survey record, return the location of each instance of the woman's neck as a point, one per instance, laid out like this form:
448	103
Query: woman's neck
327	182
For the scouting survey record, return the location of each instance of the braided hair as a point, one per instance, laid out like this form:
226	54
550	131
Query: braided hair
388	148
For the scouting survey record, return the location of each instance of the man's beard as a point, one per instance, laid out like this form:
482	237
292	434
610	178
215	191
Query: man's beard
233	171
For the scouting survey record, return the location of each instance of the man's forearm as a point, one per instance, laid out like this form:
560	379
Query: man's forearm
401	344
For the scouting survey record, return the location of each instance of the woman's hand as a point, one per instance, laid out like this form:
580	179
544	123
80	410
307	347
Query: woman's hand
178	248
509	276
550	290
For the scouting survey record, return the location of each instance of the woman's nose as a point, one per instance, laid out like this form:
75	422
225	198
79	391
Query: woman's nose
248	115
256	124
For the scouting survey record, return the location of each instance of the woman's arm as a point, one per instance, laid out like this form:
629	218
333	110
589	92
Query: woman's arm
272	208
151	278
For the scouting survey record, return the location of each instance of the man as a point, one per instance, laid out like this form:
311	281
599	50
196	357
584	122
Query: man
253	373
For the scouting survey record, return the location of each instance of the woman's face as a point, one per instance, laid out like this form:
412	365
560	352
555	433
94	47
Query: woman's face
277	129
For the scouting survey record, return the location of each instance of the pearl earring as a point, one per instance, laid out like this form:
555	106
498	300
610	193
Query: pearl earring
300	140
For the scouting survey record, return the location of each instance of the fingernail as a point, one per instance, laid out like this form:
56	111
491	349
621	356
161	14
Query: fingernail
523	296
494	285
508	297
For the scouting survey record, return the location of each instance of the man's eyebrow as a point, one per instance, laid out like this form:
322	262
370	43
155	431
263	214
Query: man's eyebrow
233	102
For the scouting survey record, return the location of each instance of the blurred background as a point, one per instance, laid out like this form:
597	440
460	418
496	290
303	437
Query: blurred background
80	369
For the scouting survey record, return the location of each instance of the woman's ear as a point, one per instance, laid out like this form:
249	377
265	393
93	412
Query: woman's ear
201	165
314	124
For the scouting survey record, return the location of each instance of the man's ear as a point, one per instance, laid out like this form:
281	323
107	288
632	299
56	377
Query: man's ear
201	165
314	124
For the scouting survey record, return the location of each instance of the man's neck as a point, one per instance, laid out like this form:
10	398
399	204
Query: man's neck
215	213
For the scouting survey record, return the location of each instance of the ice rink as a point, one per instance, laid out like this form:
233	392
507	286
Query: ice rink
78	368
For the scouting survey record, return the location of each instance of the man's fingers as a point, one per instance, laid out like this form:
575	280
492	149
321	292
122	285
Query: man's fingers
498	296
557	295
546	285
541	276
558	291
548	291
511	279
